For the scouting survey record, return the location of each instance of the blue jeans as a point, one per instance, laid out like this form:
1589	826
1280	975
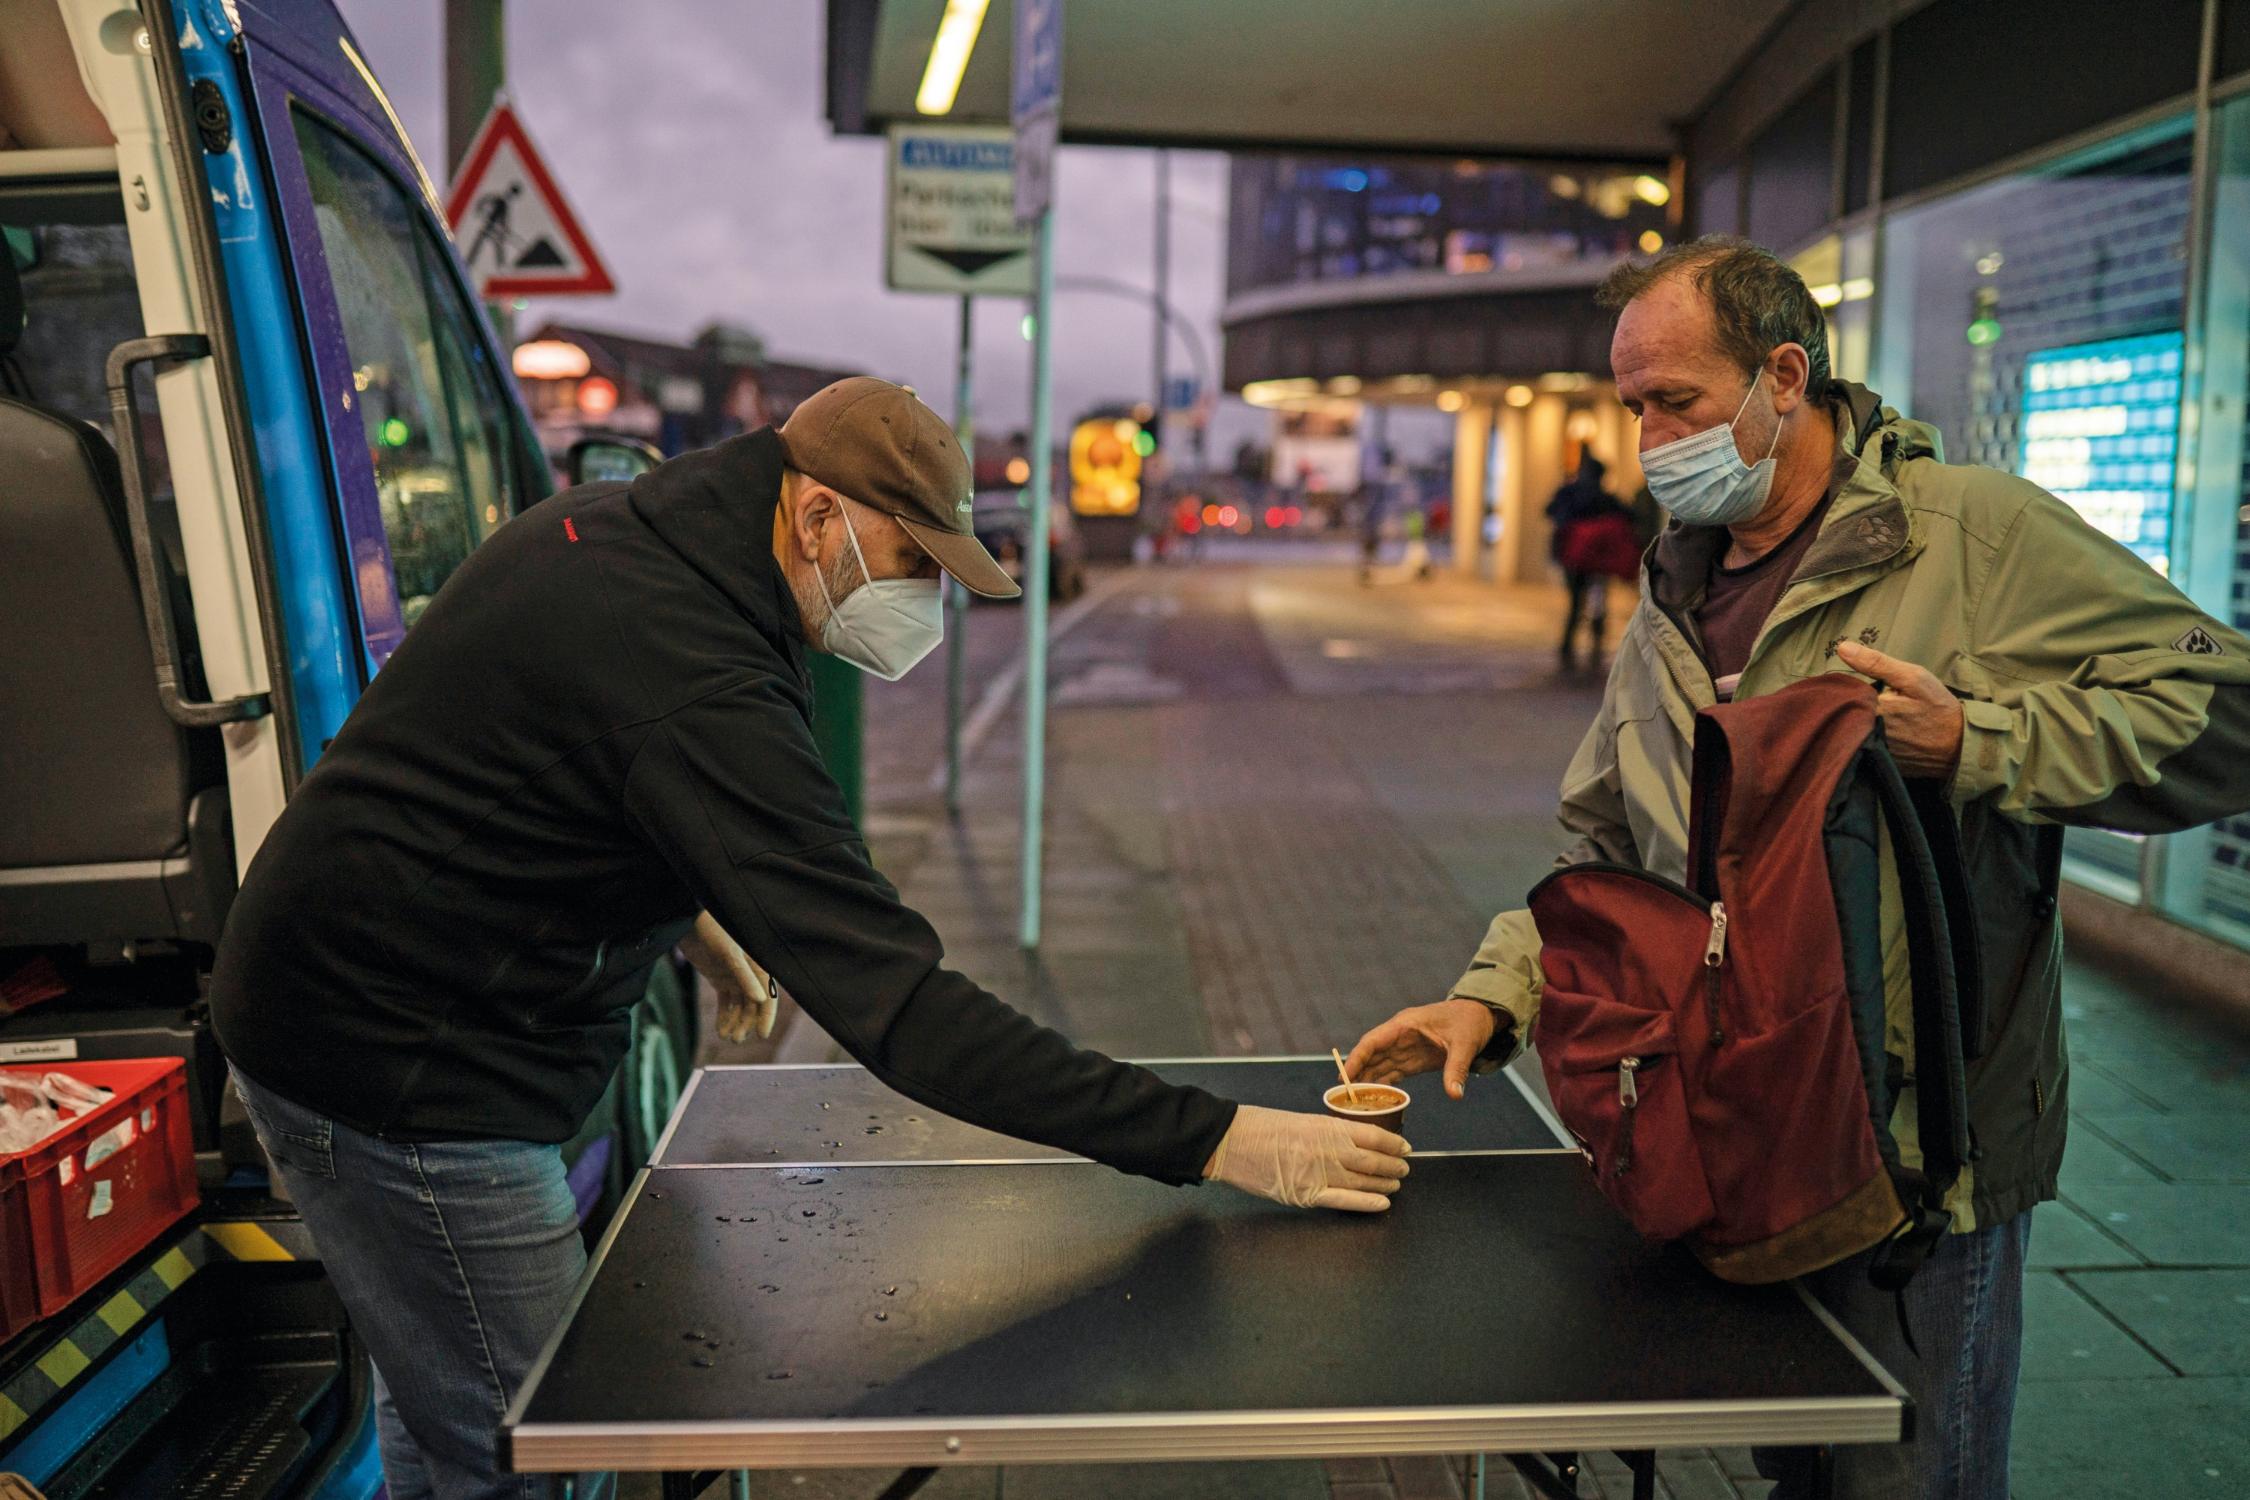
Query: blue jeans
455	1260
1965	1307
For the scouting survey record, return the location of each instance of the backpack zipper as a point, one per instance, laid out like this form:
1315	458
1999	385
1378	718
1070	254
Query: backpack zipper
1714	954
1628	1099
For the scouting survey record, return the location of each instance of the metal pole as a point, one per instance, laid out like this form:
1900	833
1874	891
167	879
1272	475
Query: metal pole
957	597
1160	297
475	67
476	70
1035	578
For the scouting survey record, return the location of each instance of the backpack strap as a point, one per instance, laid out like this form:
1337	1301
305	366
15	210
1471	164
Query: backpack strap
1940	1070
1943	831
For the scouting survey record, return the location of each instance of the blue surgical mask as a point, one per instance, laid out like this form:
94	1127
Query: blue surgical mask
1701	478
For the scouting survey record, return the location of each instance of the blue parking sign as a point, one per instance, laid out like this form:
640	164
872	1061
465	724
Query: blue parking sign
1036	104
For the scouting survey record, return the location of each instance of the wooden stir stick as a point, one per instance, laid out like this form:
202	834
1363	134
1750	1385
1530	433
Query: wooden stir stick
1351	1089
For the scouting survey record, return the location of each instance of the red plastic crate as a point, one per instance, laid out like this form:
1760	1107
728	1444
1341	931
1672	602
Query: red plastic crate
84	1201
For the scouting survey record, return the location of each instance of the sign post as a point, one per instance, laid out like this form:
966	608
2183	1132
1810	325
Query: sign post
1036	111
953	229
957	597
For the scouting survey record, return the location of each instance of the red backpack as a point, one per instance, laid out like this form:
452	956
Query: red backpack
1718	1048
1601	544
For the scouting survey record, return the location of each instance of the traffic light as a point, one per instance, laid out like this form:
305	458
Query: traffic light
1105	466
1152	426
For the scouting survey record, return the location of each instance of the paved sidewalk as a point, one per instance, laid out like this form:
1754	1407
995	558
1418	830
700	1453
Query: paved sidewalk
1283	806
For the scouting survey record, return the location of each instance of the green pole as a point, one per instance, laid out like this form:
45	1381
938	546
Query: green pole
476	71
957	597
839	711
1035	579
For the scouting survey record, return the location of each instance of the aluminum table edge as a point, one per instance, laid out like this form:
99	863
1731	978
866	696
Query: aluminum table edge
679	1113
594	1262
1030	1161
903	1442
1139	1062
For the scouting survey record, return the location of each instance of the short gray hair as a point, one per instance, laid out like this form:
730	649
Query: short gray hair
1758	302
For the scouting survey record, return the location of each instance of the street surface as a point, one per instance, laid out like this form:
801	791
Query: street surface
1283	805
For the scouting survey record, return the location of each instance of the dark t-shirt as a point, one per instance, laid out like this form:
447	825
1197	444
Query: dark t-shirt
1736	601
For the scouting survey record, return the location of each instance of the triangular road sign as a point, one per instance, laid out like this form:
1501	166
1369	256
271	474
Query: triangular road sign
517	235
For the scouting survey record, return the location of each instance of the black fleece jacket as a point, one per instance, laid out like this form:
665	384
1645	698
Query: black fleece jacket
599	726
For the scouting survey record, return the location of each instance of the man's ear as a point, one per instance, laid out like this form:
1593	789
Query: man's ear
814	504
1789	367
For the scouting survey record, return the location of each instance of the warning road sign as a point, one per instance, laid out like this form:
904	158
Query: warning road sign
953	223
517	235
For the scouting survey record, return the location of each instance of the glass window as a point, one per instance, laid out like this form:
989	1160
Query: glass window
1312	219
2204	875
429	402
2036	322
80	297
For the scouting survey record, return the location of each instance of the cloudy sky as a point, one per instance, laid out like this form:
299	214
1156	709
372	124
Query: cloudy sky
694	147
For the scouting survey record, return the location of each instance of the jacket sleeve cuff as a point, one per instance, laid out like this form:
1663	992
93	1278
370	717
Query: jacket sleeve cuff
1987	732
1512	1012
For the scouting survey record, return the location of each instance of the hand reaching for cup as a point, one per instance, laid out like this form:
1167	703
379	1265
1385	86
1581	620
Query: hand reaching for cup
1309	1161
1421	1038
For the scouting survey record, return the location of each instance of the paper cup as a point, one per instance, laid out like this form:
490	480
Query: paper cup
1381	1104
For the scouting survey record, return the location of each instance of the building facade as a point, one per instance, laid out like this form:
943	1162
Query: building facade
580	380
1457	285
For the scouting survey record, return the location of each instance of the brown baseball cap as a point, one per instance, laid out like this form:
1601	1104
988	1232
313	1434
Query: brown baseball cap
878	444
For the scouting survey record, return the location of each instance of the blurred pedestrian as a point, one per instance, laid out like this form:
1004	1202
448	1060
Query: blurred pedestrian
1416	561
1376	496
1592	541
1814	529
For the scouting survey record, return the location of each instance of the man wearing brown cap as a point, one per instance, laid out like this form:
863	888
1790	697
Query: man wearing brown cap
595	745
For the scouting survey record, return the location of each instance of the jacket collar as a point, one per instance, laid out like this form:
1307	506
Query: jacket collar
1867	521
715	508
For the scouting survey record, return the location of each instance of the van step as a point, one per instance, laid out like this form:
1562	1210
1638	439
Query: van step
227	1424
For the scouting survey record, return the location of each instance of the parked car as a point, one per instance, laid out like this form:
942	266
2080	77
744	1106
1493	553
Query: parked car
999	520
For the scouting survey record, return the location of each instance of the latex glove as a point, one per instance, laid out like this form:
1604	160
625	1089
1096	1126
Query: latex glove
1309	1161
748	997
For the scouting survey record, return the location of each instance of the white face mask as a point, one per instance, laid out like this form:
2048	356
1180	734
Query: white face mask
884	626
1701	478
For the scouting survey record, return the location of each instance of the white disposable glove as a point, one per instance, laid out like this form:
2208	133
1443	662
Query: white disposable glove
748	996
1309	1161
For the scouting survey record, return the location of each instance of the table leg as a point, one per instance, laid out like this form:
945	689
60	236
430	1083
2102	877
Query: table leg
1824	1472
908	1483
1476	1477
1557	1483
738	1484
1642	1463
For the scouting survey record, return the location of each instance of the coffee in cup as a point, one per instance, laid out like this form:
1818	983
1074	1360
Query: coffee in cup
1368	1104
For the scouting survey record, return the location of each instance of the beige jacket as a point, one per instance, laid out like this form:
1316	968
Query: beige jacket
2094	693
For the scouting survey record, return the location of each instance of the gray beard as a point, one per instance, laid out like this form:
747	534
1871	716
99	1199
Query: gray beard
813	608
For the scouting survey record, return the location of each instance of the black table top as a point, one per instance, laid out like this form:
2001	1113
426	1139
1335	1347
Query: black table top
821	1115
1058	1310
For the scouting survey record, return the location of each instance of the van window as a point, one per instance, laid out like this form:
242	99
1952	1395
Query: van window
74	268
429	401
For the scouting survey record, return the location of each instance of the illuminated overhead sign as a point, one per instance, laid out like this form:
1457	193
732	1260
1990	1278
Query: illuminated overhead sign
2101	432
